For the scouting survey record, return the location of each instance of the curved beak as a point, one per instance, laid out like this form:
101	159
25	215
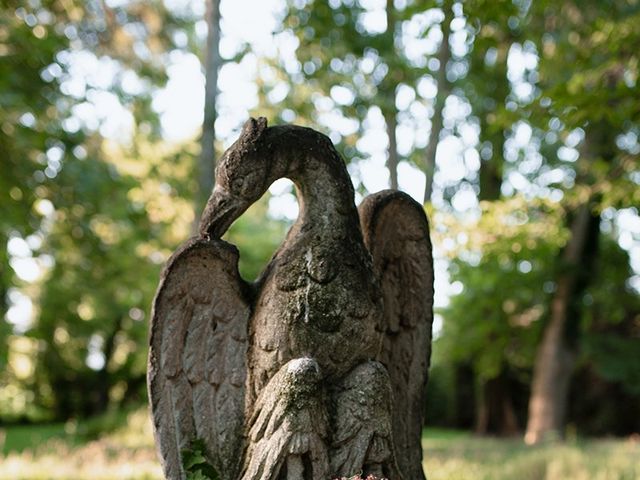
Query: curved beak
221	211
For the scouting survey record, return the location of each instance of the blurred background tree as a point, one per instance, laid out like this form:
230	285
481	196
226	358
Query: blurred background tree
77	220
515	123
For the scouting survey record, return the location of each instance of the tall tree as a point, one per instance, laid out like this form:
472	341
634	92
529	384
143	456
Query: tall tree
207	157
555	355
388	93
444	89
110	233
599	98
589	114
76	211
487	88
350	68
26	124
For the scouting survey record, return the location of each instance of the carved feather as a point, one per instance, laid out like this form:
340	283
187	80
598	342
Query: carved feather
289	422
197	359
362	429
396	232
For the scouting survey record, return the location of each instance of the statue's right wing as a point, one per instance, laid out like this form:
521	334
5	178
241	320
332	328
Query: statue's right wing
396	233
197	358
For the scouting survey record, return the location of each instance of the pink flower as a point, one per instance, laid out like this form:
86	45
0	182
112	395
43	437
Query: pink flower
358	477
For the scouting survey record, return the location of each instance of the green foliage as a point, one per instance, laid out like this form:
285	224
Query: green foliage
18	438
616	358
257	237
195	464
510	244
504	263
344	71
440	398
26	100
579	107
598	94
611	341
79	209
108	238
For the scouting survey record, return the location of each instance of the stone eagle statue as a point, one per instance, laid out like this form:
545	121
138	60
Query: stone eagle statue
318	369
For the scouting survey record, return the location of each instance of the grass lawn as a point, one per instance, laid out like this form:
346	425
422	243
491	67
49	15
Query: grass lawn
460	456
81	452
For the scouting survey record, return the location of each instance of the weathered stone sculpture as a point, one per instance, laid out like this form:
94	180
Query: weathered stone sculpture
317	370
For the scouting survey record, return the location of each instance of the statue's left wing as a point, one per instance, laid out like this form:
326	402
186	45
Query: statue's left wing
197	358
396	232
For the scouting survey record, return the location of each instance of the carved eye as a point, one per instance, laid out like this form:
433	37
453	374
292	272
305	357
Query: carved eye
237	184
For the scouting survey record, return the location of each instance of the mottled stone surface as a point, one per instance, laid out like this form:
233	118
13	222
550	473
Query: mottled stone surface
319	368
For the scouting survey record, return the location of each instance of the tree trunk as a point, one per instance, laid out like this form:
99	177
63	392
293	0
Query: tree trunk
491	169
496	413
104	377
556	353
389	106
392	159
555	356
207	159
465	395
5	328
496	88
444	88
135	392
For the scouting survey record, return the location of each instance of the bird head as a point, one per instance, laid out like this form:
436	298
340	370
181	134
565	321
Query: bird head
242	177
